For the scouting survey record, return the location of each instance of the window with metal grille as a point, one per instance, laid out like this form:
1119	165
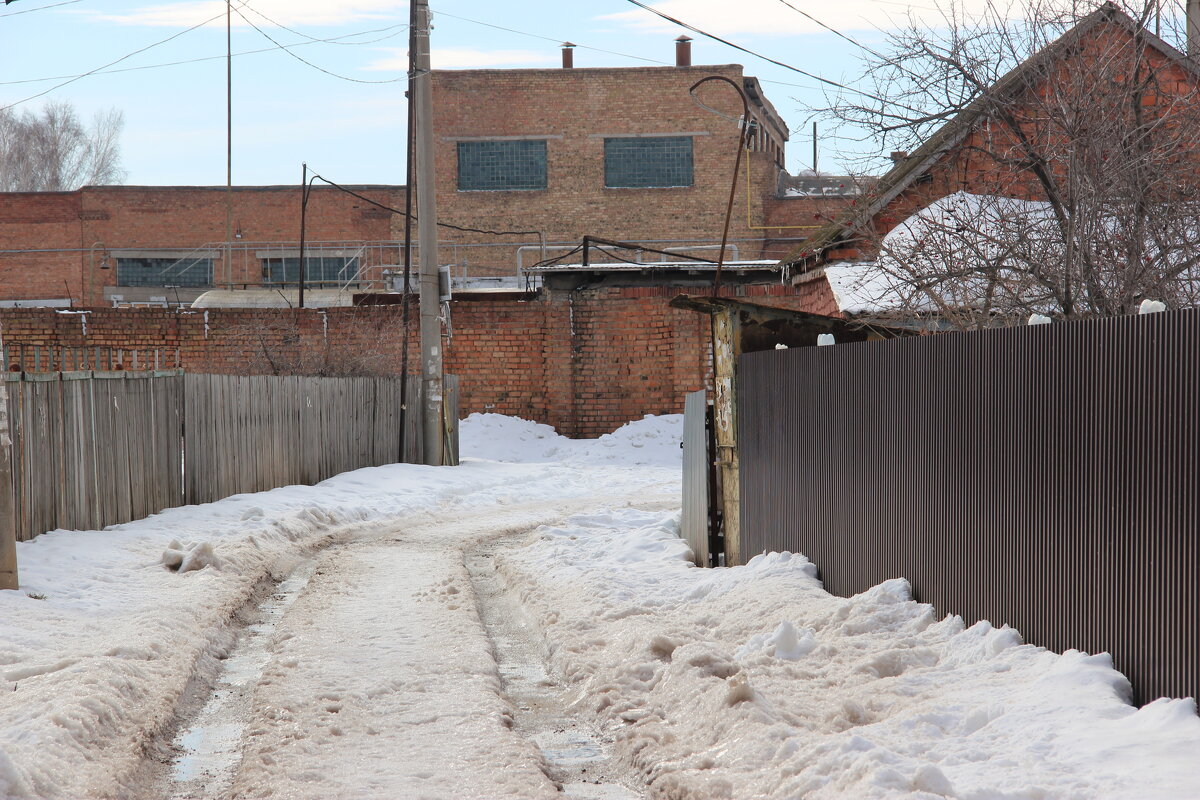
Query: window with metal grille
498	166
648	163
164	271
330	271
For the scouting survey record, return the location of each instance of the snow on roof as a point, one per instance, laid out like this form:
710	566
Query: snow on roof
923	242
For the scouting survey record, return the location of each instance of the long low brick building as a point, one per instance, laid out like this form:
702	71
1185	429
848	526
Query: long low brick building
585	361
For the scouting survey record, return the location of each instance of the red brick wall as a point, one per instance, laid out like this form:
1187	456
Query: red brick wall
585	361
85	226
46	228
574	109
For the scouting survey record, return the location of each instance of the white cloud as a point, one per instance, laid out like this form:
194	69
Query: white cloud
285	12
468	58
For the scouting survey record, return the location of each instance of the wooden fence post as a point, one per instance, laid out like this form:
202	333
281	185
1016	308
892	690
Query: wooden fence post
8	524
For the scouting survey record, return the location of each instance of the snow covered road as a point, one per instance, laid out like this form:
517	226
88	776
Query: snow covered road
497	629
382	682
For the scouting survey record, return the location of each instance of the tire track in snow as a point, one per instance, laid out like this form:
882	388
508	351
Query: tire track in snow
351	680
204	753
576	751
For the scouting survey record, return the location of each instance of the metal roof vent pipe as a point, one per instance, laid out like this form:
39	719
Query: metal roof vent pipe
683	52
568	51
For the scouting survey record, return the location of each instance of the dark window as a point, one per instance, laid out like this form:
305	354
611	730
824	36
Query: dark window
164	271
651	162
329	271
502	166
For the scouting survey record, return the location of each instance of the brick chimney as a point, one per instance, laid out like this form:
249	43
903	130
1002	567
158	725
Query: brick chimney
683	52
568	53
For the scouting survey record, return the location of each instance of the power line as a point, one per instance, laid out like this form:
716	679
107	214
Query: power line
331	40
728	43
117	61
548	39
548	261
39	8
268	37
832	30
377	204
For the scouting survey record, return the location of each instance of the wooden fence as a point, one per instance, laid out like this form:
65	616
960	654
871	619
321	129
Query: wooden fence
248	434
92	449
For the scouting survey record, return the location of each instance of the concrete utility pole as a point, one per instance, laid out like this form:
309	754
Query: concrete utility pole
431	324
8	522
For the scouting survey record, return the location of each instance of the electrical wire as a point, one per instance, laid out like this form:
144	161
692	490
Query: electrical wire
117	61
268	37
334	40
221	57
548	261
832	30
548	39
715	38
39	8
377	204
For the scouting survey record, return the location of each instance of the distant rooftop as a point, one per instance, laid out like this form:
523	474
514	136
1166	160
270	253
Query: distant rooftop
820	184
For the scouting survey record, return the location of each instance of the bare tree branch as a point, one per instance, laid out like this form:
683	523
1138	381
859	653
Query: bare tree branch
53	151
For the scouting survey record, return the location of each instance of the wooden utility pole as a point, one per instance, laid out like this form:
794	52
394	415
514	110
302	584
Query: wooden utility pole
431	324
8	522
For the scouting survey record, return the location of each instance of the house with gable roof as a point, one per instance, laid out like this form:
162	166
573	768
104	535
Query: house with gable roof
1016	157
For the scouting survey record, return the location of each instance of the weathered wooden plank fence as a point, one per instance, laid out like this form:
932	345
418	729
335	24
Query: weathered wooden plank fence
93	448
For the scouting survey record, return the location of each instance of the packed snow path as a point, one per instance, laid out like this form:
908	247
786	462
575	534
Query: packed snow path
380	681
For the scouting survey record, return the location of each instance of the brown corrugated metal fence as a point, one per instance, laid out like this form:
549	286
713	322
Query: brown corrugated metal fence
1042	477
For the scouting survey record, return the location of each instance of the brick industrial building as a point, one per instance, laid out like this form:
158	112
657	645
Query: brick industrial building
540	157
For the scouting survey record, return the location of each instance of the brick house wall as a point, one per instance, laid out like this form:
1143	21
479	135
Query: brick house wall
988	160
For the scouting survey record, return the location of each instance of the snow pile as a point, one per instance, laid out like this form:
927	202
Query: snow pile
755	682
651	441
496	437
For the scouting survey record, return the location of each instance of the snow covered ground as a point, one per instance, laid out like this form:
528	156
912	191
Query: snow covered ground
380	680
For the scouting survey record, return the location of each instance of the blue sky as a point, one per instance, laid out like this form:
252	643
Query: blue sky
286	111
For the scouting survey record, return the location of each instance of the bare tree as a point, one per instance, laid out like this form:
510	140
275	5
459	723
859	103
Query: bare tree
54	151
1060	161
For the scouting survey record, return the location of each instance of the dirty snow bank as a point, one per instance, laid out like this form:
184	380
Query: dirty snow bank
755	682
108	626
